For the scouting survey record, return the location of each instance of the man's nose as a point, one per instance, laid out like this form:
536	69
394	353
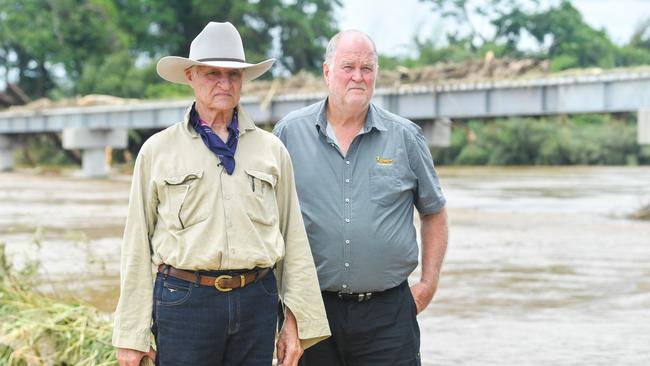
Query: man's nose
357	75
224	81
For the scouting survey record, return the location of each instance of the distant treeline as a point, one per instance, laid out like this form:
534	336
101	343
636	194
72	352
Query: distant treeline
75	47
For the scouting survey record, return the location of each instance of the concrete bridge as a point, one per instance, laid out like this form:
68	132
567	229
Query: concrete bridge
91	129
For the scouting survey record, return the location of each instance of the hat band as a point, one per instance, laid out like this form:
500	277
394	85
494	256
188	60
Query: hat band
221	59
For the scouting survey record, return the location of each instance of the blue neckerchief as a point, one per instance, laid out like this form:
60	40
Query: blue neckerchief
225	151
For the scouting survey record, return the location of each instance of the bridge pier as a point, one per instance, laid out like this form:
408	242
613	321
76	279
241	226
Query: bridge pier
92	144
8	148
643	126
438	132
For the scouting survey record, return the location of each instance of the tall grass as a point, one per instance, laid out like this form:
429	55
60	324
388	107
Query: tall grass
36	329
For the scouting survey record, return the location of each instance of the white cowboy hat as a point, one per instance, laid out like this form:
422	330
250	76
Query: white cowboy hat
218	45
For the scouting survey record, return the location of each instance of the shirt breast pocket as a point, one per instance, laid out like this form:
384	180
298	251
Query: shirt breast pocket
385	185
183	204
261	205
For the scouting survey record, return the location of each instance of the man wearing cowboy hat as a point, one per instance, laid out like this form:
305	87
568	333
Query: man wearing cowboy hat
213	210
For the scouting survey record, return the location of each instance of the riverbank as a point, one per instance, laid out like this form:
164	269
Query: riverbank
539	258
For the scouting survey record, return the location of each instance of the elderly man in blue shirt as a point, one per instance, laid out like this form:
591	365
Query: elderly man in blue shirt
359	172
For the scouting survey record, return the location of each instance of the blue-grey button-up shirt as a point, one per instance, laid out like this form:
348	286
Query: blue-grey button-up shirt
358	208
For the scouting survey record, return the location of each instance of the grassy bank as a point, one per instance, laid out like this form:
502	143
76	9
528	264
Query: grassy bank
578	140
40	330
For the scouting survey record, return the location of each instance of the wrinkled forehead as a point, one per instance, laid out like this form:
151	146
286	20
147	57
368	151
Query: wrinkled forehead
356	57
355	48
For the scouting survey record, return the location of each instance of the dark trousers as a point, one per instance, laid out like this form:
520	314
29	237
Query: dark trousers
377	332
200	326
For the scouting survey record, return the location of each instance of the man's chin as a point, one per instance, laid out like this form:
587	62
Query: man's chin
223	101
358	98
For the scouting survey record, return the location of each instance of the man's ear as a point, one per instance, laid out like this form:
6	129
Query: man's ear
188	74
326	73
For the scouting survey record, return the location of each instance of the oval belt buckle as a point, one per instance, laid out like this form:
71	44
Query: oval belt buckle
216	283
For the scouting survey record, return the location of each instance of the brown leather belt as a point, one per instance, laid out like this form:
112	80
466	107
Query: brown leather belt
223	283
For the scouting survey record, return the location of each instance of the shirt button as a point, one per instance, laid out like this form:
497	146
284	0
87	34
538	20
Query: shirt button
347	200
347	220
347	162
347	242
347	264
332	144
344	286
347	181
227	196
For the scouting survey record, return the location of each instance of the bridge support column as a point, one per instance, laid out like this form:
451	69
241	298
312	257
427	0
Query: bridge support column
7	151
438	132
643	126
93	143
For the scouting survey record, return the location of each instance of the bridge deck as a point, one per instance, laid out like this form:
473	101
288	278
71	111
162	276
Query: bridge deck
606	92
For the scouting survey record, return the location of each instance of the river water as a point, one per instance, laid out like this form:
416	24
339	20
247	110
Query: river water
543	267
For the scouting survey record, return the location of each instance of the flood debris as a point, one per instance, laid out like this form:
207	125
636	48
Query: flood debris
36	329
488	69
642	213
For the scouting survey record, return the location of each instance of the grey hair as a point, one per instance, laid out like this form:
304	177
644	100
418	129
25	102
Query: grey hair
333	43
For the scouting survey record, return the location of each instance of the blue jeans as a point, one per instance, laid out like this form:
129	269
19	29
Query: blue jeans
200	326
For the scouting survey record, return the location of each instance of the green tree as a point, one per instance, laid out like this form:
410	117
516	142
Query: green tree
83	42
462	13
42	38
302	27
560	34
637	51
565	37
27	44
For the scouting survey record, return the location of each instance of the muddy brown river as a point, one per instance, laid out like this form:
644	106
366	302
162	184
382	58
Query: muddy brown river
543	266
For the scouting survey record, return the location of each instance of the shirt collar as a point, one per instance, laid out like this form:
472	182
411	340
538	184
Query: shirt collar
372	119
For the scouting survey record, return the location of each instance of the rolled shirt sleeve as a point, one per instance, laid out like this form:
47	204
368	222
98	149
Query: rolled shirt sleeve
428	194
133	313
299	288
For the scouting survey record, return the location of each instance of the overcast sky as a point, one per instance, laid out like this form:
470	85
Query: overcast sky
393	24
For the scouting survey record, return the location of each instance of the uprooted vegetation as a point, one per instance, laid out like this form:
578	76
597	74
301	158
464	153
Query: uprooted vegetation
36	329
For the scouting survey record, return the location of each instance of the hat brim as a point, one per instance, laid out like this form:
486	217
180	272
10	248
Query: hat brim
172	68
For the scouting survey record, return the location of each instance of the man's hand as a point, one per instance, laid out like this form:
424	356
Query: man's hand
131	357
289	349
422	294
435	234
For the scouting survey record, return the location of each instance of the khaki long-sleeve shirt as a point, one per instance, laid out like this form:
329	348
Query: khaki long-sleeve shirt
186	211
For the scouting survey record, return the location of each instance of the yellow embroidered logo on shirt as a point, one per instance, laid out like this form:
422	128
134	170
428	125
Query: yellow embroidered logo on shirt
383	161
